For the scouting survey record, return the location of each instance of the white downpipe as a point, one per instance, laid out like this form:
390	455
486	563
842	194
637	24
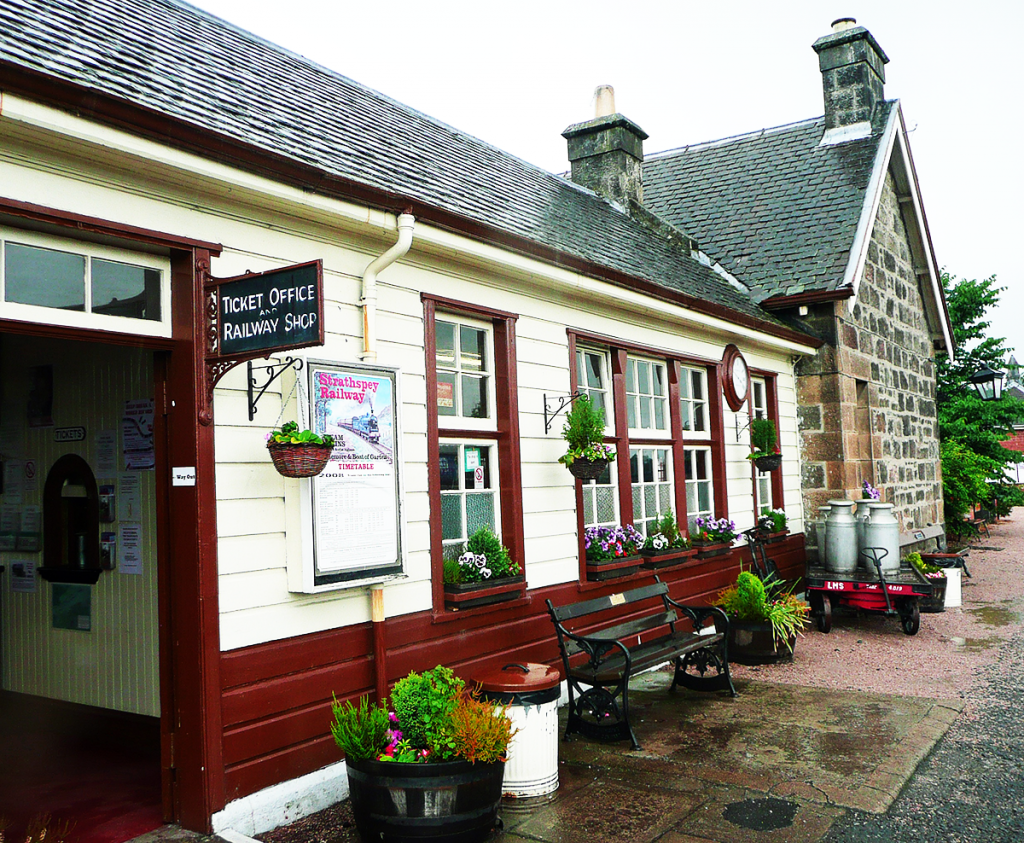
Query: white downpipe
368	299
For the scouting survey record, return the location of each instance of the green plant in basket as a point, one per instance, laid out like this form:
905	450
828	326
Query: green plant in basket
773	521
763	439
584	433
926	569
665	535
751	600
432	718
289	434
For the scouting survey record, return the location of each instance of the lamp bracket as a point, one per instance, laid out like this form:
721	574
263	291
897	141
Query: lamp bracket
551	410
274	371
739	429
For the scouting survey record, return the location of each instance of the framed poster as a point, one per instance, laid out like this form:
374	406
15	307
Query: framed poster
354	503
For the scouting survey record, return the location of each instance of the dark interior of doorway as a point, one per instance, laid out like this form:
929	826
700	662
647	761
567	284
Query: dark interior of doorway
97	769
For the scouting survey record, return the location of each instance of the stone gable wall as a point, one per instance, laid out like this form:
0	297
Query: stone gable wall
867	400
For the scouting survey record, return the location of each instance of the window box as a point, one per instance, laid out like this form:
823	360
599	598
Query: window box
469	595
669	556
705	550
772	538
613	569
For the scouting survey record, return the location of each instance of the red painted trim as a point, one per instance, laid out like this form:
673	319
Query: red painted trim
717	424
625	487
169	131
637	348
468	308
63	332
772	399
678	447
95	225
433	456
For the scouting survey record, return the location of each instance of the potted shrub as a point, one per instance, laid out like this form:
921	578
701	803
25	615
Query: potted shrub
587	456
484	574
666	544
612	552
299	453
764	619
430	766
764	442
773	526
714	536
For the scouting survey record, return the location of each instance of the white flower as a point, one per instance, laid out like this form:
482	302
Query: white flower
486	573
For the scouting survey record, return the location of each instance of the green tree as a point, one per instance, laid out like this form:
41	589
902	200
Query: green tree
971	430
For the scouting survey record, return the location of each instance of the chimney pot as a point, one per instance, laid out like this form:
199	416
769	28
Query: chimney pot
604	101
841	24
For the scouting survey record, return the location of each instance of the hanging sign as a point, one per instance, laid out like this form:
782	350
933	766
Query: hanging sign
271	311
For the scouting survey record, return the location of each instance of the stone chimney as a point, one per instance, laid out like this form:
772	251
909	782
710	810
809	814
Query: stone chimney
607	153
852	73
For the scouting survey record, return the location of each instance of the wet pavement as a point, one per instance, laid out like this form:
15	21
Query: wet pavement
808	762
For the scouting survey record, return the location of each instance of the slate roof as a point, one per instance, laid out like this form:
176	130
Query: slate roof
180	61
777	210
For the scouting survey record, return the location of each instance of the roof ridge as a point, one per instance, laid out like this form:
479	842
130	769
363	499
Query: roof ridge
679	150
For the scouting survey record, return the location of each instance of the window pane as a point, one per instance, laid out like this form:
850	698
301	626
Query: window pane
698	417
662	456
631	412
631	375
588	506
659	414
634	466
474	397
648	463
451	517
645	413
594	368
691	500
597	399
453	551
444	338
448	456
704	496
479	511
638	511
643	378
650	500
659	380
685	413
664	498
44	277
684	385
446	393
122	289
698	385
473	345
581	370
605	505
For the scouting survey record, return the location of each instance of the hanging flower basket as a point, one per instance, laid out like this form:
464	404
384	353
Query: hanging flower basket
586	469
306	460
772	462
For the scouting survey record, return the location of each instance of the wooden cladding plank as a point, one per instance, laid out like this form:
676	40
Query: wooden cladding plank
289	763
273	734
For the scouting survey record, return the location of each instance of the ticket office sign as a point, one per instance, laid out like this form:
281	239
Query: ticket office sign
271	311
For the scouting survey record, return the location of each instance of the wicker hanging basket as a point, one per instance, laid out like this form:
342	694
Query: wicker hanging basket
299	460
772	462
586	469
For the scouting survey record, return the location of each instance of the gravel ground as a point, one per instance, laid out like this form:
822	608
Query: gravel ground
971	787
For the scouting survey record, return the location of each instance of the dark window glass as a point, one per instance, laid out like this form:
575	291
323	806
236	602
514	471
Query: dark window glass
121	289
44	277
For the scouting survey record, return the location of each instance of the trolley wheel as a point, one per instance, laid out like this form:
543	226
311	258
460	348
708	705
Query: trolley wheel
825	614
910	618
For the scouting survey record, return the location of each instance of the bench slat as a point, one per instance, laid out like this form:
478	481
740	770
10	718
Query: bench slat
600	604
648	654
629	629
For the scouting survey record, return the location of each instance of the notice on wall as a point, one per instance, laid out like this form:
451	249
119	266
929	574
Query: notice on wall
14	481
129	497
30	534
129	548
108	502
10	524
105	448
23	576
108	551
137	435
72	607
355	500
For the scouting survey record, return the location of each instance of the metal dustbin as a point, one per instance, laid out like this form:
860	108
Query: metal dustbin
531	692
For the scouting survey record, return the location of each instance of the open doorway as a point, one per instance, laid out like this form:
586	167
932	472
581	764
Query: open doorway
80	673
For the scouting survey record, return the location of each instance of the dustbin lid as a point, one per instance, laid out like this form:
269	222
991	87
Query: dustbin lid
525	683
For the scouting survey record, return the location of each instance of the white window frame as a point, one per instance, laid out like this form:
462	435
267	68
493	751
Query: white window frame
86	319
633	399
494	488
763	480
605	387
458	421
687	401
641	519
692	482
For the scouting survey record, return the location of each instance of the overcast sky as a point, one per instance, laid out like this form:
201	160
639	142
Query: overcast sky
687	72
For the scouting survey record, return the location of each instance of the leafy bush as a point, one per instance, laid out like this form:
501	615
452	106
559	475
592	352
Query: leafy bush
763	438
359	730
289	434
773	521
666	534
752	601
485	558
423	704
964	476
584	433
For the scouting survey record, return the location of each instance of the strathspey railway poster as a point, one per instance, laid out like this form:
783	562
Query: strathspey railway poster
355	500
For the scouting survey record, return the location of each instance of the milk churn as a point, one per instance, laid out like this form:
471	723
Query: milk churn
882	530
841	538
822	531
860	517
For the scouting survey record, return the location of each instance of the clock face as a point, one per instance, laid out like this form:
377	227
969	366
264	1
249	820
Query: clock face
736	378
740	380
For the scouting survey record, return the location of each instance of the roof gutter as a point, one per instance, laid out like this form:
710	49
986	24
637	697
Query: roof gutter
812	297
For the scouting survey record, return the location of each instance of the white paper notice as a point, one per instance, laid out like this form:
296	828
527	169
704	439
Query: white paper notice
23	576
129	496
137	435
14	481
106	453
30	536
10	525
129	548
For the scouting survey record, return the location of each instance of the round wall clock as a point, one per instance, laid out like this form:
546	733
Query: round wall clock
735	378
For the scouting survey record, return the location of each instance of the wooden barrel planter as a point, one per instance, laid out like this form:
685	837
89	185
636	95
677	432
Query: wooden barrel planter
449	801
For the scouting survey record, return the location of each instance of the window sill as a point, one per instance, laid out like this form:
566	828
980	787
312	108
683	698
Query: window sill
521	598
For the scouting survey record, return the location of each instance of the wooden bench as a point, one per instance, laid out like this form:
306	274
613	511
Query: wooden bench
600	654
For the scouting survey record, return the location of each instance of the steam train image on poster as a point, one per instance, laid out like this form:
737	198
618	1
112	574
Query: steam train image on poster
365	426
